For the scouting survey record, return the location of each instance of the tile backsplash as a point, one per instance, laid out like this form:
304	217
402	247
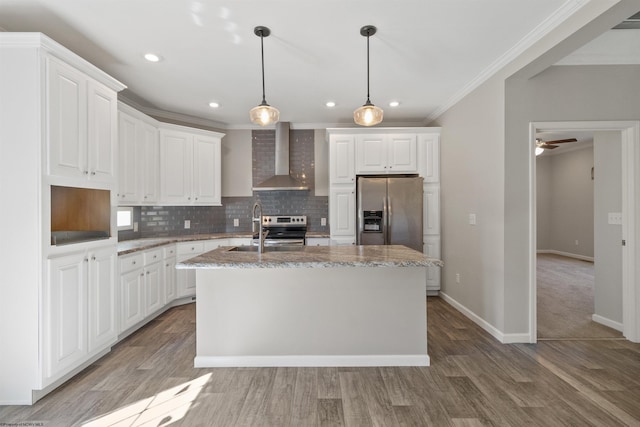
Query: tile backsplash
158	221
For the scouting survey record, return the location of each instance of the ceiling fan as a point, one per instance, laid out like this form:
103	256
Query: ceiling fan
543	145
549	144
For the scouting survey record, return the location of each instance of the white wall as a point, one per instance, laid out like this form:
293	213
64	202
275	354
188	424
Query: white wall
236	162
567	193
608	248
485	155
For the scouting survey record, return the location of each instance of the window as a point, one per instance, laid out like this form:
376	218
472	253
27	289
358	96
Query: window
125	218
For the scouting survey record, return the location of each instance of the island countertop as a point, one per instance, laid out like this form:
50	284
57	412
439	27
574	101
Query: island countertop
313	257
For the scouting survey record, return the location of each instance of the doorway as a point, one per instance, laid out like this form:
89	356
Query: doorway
630	134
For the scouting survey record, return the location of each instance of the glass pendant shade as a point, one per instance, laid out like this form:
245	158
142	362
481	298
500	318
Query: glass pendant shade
368	115
539	150
264	114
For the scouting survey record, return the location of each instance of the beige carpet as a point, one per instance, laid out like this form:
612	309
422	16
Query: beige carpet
565	299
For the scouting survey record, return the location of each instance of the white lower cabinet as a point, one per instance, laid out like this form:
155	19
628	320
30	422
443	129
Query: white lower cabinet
102	299
186	279
169	275
78	309
317	241
432	249
131	298
154	292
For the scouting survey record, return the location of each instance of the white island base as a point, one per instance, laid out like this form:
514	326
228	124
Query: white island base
357	316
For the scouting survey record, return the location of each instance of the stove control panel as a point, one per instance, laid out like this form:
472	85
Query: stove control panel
284	220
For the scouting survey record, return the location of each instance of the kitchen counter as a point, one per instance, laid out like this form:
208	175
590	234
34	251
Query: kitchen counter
135	245
313	257
311	306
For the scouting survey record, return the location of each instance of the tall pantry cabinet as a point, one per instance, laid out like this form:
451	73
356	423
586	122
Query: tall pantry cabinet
58	128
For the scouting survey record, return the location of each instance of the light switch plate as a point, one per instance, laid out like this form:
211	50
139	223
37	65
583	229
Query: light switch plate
615	218
323	222
472	219
187	223
236	222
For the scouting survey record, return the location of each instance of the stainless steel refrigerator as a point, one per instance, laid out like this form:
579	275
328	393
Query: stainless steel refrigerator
390	211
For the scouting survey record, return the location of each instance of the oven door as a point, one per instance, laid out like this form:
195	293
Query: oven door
283	237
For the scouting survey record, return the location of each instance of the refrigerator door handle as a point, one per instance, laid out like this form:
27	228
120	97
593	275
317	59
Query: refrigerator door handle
384	221
388	218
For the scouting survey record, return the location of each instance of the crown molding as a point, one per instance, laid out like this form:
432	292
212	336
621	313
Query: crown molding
544	28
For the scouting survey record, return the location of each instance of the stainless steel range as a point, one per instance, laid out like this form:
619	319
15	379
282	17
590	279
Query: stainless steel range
283	230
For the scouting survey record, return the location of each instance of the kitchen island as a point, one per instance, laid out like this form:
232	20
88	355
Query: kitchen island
311	306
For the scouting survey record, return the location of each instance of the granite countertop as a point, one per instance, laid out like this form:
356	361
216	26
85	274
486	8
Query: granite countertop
129	246
135	245
313	256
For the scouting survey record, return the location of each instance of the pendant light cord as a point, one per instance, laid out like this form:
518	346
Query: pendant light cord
264	101
368	100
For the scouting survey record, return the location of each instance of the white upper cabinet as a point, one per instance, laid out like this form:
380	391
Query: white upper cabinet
342	160
386	154
129	151
189	166
139	160
82	120
429	153
206	170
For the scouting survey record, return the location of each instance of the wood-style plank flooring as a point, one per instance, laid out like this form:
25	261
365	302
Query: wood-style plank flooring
565	299
149	379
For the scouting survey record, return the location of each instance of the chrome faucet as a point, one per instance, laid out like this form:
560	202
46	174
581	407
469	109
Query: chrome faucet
257	219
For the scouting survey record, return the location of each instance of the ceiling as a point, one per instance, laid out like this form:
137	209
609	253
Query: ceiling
425	55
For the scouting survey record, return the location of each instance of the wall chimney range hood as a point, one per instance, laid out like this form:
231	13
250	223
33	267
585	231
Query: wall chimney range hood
282	180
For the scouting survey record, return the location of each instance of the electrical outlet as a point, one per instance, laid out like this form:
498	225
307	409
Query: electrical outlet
577	243
472	219
457	277
135	226
323	222
236	222
187	223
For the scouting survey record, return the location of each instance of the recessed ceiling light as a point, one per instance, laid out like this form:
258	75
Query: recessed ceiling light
330	104
394	104
214	105
152	57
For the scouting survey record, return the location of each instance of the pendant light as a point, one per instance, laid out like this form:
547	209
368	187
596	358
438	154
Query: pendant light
368	114
264	114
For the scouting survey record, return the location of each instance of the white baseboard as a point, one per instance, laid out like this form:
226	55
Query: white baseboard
496	333
311	361
607	322
567	254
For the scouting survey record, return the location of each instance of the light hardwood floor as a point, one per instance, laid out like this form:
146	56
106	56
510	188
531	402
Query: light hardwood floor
473	381
565	299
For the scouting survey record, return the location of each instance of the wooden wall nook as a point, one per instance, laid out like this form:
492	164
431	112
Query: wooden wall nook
80	209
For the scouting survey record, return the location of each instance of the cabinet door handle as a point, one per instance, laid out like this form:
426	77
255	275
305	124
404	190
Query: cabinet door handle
86	172
147	272
155	256
93	258
86	260
166	265
93	173
133	262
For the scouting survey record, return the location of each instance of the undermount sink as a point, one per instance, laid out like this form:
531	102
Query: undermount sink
266	249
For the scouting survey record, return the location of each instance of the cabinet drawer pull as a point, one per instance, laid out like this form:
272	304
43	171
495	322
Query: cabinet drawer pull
93	173
93	258
133	262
